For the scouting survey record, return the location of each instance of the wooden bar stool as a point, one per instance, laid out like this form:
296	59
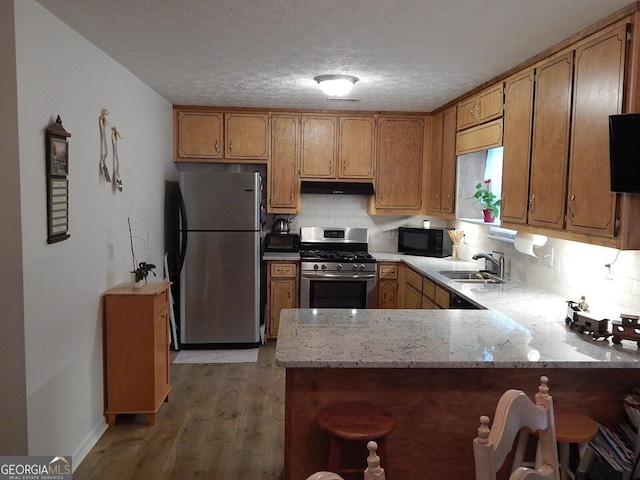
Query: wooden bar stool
571	427
354	421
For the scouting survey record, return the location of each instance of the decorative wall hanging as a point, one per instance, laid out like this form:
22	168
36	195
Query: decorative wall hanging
117	181
102	121
57	160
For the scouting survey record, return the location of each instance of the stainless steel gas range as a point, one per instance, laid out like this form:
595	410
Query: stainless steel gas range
336	269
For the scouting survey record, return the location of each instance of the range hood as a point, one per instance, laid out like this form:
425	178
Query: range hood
344	188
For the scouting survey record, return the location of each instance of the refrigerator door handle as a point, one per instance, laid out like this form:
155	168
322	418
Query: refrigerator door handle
183	227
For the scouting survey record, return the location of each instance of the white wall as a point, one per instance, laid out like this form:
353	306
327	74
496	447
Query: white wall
13	411
60	73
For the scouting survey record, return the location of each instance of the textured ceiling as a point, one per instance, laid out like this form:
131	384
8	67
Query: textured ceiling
410	55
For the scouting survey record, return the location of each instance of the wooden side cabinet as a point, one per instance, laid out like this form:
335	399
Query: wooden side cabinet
387	285
282	292
136	349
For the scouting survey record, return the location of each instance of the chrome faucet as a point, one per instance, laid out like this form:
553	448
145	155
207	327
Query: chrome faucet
492	265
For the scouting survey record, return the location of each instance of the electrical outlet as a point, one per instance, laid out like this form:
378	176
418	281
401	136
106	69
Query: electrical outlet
547	256
110	251
610	274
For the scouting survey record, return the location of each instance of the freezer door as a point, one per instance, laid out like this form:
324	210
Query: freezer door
221	201
221	288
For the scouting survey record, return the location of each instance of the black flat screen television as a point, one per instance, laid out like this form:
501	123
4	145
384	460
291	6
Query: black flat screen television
624	156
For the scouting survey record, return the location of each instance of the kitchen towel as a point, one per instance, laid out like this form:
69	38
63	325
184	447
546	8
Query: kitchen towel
217	356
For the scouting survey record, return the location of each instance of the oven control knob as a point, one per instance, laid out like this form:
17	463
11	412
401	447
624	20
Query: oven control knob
354	267
323	267
315	266
362	267
339	266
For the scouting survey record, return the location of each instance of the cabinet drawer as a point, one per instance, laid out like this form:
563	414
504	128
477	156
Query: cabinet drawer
388	270
414	279
442	297
429	288
283	270
160	301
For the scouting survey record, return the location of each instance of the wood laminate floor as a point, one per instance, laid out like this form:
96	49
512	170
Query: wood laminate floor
222	422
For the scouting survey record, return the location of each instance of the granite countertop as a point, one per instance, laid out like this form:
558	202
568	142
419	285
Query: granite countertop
522	327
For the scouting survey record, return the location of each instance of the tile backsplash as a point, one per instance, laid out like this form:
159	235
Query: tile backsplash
577	269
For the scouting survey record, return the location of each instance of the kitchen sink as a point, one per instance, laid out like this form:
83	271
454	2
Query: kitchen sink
471	276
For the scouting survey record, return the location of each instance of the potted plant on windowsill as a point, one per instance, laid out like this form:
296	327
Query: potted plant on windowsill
140	272
488	199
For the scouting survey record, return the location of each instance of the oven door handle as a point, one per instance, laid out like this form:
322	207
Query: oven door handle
352	276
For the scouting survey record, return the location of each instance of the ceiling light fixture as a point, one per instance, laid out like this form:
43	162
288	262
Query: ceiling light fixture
336	85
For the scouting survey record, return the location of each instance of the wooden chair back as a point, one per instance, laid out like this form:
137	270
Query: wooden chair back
516	411
373	471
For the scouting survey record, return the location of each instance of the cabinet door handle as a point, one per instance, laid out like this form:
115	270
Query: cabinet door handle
217	147
571	204
229	146
532	203
289	292
479	111
473	112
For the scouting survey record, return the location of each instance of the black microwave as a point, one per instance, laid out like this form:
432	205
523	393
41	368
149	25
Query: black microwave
426	242
278	242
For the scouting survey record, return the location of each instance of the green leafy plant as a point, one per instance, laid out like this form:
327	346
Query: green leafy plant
486	197
143	270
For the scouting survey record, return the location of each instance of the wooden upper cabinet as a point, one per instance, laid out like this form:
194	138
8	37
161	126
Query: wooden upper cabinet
198	135
598	93
356	150
337	147
282	186
448	193
203	135
486	105
443	163
435	175
518	116
319	147
399	164
247	136
550	144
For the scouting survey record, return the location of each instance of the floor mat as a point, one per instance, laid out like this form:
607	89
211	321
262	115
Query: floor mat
217	356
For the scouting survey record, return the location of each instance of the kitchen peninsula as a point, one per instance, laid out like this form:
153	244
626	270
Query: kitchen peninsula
437	371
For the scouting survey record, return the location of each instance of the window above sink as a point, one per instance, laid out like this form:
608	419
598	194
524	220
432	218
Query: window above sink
474	168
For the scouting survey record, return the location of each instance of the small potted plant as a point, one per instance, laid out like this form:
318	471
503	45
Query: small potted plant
141	272
488	199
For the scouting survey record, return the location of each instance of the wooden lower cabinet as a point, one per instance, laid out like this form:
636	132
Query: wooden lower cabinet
412	297
428	294
136	349
442	297
282	292
387	285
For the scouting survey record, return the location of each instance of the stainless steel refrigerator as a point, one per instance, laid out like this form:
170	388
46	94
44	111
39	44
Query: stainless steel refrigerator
220	280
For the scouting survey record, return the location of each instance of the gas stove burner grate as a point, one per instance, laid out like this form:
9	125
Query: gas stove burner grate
336	255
